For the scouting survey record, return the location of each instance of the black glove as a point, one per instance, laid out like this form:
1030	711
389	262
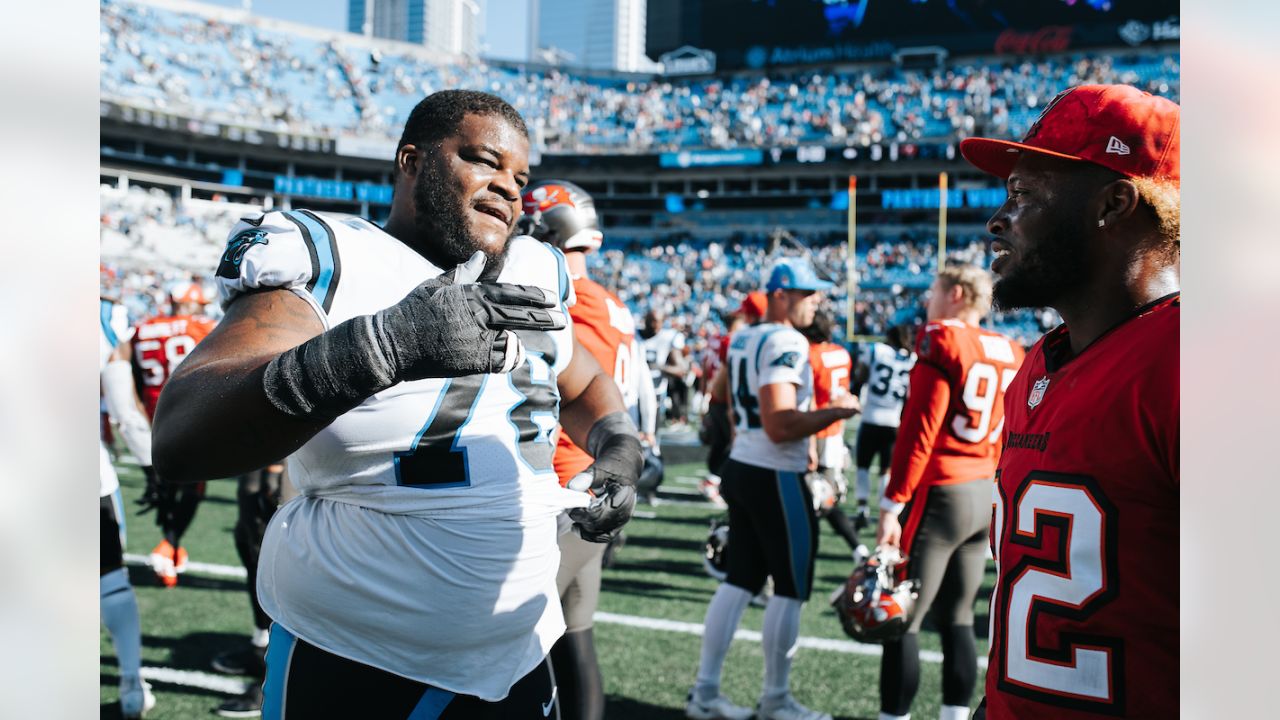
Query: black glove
609	510
613	442
153	495
445	327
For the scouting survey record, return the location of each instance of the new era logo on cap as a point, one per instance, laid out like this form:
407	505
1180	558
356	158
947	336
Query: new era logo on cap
1086	123
792	273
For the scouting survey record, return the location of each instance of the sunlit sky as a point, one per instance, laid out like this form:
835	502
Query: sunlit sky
502	35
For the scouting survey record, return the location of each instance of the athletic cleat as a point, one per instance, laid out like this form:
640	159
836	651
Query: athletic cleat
136	699
248	660
861	519
243	706
162	563
789	709
710	488
180	560
721	708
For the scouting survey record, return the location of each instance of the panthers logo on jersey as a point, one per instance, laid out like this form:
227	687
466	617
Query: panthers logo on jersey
787	359
229	267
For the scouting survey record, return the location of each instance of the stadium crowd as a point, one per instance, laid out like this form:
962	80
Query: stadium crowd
338	84
153	241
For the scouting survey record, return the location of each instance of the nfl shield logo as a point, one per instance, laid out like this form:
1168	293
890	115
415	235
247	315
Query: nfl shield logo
1037	392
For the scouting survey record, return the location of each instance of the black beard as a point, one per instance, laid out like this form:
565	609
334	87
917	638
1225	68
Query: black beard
441	219
1042	276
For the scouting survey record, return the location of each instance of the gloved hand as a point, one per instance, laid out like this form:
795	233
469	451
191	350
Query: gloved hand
619	460
450	326
610	509
153	495
446	327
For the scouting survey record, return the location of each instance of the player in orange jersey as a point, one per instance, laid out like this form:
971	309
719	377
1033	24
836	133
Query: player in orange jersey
937	503
563	215
1084	614
159	344
832	366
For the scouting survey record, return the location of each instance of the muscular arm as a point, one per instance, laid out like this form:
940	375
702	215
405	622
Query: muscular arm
586	395
783	422
922	417
213	419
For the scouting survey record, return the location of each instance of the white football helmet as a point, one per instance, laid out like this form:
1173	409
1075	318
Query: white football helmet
825	493
561	214
873	608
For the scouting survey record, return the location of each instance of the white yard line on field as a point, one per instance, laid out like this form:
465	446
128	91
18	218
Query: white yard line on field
195	679
198	568
847	647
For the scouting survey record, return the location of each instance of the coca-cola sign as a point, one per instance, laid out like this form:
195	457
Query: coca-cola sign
1048	39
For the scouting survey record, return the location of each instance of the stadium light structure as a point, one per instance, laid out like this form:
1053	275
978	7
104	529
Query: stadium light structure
851	259
942	220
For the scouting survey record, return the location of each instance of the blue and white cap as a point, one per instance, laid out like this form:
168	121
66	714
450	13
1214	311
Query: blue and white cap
794	273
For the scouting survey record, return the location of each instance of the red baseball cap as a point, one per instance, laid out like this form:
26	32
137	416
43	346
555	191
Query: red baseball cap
1116	126
754	305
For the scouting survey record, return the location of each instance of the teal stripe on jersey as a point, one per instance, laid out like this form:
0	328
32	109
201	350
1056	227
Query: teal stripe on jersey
759	348
104	316
797	517
279	653
319	237
432	704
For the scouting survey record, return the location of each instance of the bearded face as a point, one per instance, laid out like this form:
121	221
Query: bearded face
466	196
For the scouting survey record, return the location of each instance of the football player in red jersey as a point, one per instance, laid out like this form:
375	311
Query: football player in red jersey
159	344
1084	614
564	215
936	505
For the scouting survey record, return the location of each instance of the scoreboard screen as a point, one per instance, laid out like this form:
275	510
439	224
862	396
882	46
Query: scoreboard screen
732	27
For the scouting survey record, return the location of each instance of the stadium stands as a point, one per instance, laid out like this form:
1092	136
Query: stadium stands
164	59
155	239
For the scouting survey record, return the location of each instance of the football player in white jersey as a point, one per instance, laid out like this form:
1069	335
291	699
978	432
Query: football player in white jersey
772	526
118	603
664	351
414	377
883	372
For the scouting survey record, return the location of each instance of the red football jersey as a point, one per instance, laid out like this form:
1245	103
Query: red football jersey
1084	615
159	344
603	324
954	412
831	366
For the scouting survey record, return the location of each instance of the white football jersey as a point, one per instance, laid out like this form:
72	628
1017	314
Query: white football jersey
656	351
763	355
424	538
108	338
886	386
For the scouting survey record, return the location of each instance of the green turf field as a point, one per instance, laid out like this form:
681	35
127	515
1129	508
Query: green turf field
658	575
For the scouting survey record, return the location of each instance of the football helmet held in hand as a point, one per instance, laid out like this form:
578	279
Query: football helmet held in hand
825	493
715	559
873	608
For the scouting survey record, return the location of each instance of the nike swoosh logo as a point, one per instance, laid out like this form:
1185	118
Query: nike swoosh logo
546	706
